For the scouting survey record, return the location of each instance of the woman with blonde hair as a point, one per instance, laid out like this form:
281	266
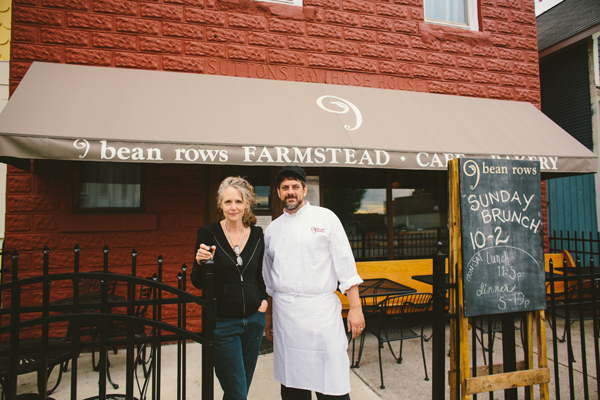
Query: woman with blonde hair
236	245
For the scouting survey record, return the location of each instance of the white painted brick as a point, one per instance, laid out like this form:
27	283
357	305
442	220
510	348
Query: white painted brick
3	92
4	73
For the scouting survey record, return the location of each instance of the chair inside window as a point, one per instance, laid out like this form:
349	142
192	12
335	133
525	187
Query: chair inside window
399	318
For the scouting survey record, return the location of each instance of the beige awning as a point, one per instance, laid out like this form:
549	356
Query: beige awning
72	112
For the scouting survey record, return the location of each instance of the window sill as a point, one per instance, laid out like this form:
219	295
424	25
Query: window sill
455	33
107	223
451	25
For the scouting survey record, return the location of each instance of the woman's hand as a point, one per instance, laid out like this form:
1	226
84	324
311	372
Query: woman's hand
263	306
205	253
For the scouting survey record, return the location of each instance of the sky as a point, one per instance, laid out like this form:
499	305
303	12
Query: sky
543	5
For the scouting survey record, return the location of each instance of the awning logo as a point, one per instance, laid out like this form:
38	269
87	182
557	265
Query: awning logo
84	144
345	106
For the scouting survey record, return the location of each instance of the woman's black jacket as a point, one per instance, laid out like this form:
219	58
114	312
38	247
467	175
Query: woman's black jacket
239	290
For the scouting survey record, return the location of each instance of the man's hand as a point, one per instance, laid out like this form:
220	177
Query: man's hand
356	322
355	319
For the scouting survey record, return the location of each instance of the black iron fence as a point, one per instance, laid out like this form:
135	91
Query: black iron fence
370	246
573	337
47	320
580	245
573	316
420	244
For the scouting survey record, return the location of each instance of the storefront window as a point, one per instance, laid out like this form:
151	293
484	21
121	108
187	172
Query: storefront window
263	196
417	214
360	203
258	177
109	187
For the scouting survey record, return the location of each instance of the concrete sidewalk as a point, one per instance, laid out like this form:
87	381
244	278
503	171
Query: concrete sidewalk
402	381
264	386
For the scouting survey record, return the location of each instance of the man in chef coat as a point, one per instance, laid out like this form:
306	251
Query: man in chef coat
306	254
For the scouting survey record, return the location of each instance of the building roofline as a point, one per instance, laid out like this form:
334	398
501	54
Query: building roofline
567	42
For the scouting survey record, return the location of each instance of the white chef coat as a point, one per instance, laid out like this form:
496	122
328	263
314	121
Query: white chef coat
306	254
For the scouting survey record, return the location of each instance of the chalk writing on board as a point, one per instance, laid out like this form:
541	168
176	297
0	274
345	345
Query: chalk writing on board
501	227
508	265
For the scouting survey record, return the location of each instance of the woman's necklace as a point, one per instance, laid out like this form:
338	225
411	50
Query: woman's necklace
237	247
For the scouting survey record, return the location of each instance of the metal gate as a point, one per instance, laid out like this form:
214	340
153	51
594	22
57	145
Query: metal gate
48	319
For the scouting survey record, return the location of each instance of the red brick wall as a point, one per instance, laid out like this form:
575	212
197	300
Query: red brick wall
383	44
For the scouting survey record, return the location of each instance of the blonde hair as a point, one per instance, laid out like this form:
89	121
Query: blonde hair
247	192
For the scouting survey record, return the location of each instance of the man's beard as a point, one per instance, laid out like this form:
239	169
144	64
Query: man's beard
294	205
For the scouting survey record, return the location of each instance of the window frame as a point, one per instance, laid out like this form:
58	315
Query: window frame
388	180
596	57
296	3
472	17
108	210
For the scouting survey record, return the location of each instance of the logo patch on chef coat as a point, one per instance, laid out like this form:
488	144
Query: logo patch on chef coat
315	230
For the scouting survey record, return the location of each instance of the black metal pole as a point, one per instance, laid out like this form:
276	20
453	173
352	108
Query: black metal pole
158	373
179	325
75	324
508	351
43	383
438	379
131	356
184	346
580	310
15	304
595	318
208	329
552	314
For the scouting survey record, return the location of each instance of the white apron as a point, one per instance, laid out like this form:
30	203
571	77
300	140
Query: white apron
310	345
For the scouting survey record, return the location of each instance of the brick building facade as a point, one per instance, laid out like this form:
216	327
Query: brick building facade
384	44
379	44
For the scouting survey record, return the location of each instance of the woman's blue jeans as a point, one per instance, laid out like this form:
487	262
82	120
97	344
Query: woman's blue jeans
237	342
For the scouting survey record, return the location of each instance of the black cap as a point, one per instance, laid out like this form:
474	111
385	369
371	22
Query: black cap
291	171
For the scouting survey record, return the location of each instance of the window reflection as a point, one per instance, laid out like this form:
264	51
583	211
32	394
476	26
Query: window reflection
360	203
418	218
446	11
415	210
105	185
262	197
259	177
419	213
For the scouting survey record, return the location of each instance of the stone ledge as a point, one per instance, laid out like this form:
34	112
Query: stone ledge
106	223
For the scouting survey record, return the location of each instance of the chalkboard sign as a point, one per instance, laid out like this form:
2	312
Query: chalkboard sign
502	236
